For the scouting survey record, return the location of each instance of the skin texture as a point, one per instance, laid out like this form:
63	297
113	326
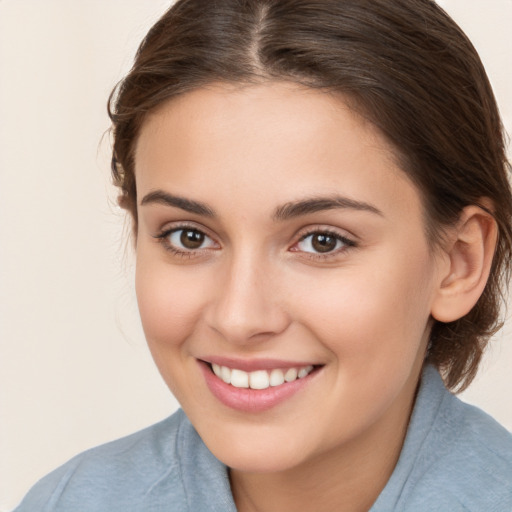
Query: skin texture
257	289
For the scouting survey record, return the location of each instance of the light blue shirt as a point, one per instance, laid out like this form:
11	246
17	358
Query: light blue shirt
455	458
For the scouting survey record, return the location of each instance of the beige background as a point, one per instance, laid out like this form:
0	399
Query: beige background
74	369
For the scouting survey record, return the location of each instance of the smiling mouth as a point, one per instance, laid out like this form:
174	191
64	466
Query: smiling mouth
261	386
260	379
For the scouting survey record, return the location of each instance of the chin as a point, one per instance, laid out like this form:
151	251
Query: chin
258	450
254	460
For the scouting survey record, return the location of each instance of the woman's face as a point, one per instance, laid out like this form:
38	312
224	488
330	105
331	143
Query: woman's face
279	244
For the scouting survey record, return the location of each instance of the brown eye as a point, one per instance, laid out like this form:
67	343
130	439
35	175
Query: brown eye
188	239
191	239
323	242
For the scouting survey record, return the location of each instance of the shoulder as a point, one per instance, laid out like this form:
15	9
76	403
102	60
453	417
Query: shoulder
464	462
472	465
128	474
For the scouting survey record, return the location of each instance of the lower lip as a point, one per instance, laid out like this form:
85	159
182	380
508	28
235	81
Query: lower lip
252	400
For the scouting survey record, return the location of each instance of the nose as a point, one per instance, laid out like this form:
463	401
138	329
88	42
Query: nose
246	307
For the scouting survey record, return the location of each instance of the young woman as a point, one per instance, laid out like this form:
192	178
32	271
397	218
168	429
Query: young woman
323	229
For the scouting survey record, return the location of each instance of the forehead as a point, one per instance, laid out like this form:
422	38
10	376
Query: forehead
275	139
285	109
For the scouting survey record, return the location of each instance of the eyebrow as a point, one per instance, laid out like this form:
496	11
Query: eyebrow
189	205
317	204
287	211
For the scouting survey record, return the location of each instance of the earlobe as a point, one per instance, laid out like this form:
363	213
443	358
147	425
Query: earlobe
469	255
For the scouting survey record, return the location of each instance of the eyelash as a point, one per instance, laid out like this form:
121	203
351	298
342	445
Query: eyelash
163	238
347	244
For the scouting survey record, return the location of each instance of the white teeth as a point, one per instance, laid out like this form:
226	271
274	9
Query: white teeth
304	371
239	379
291	374
276	377
217	370
260	379
225	374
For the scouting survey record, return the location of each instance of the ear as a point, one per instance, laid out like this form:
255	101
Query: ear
469	258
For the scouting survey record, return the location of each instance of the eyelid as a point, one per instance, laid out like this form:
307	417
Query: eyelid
347	239
162	238
207	242
327	229
168	227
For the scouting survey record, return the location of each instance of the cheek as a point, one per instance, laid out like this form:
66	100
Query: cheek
169	303
372	312
169	308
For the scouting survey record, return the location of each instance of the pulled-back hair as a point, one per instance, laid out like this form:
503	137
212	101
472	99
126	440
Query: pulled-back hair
402	64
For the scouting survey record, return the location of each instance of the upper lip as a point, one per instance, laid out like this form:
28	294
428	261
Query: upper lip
251	365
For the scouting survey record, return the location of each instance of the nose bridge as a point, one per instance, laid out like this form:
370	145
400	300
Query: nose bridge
246	306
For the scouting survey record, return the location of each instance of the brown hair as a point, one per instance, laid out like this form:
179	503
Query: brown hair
405	65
